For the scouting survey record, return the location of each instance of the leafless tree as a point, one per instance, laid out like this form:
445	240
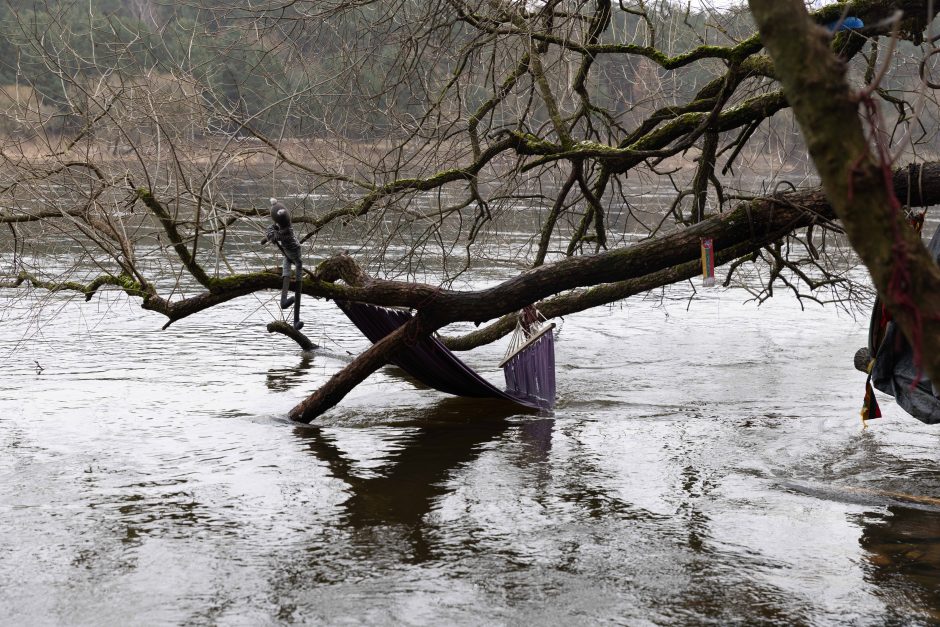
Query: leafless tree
418	128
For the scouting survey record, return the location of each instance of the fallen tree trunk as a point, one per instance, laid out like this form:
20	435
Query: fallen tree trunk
567	286
612	275
920	183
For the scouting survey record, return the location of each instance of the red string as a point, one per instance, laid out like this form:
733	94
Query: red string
900	282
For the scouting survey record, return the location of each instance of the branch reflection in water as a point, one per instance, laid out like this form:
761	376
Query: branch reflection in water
284	379
415	475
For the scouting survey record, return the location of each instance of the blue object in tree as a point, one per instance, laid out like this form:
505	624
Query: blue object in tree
849	23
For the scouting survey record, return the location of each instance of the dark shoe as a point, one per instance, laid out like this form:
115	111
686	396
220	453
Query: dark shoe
298	325
287	302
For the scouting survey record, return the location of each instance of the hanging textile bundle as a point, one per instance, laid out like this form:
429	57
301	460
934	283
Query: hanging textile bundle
892	368
864	360
708	262
870	407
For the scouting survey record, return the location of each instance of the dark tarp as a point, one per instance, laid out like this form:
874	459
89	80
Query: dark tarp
894	372
434	365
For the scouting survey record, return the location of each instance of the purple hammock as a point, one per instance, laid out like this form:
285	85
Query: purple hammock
529	370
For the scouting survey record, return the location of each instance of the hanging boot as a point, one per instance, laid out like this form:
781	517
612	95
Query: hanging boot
286	301
298	325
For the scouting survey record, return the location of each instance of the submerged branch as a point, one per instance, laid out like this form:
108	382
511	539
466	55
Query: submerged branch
282	327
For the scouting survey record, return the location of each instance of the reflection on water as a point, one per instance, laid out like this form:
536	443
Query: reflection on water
903	546
284	379
414	473
704	465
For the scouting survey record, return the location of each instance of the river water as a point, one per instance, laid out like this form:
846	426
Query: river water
705	464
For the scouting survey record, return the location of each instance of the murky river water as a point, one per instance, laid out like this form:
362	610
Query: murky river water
705	464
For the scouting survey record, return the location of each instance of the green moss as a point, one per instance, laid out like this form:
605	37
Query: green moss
239	281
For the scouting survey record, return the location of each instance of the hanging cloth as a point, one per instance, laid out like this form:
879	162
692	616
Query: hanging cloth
893	371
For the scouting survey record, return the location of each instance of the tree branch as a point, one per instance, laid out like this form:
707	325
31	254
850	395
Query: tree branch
855	181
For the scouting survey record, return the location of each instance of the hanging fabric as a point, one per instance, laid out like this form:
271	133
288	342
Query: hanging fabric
892	369
708	262
529	364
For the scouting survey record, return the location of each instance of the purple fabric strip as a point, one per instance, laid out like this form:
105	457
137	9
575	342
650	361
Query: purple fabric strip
430	362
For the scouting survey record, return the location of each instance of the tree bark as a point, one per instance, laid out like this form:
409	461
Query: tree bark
704	173
342	383
279	326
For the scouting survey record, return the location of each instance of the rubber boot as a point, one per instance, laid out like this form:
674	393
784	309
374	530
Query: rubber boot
286	301
298	325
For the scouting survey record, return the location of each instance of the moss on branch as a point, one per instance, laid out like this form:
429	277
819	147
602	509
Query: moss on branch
123	281
169	227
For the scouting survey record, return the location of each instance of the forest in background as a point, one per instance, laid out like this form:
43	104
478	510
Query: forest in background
295	71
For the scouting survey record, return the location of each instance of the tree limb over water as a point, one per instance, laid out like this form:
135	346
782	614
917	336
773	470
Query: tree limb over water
420	136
